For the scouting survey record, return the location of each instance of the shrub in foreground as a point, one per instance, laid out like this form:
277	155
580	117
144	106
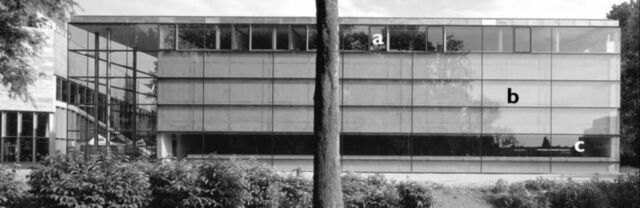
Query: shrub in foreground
11	191
414	194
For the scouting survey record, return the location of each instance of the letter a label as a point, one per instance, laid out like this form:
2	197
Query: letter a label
377	39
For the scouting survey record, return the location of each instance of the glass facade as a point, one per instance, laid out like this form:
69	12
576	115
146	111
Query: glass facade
427	91
24	136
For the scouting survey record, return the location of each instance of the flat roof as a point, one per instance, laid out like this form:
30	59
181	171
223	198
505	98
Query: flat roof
345	20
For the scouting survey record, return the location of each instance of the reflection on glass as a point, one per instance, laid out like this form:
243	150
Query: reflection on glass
354	37
262	37
225	36
188	144
446	93
312	37
586	40
282	37
147	37
378	38
240	37
375	145
407	38
516	145
446	119
435	41
586	94
10	149
523	39
497	39
593	145
210	37
42	149
293	144
516	66
446	145
586	67
191	36
11	123
540	39
26	149
248	144
167	36
376	119
516	120
585	121
373	92
27	124
530	93
299	37
450	66
463	38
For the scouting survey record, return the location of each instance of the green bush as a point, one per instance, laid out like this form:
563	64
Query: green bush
104	181
170	183
414	195
294	192
11	191
373	192
573	194
515	195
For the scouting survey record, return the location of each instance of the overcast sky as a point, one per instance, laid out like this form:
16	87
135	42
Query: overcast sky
589	9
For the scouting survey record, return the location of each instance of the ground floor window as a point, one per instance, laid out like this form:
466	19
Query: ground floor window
27	142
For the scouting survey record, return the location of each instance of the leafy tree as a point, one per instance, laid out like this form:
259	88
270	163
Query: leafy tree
627	14
19	41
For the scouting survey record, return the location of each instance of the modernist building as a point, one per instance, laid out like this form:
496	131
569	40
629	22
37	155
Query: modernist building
418	94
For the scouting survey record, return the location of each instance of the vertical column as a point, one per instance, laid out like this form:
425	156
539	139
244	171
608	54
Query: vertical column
96	93
3	125
51	128
108	101
164	147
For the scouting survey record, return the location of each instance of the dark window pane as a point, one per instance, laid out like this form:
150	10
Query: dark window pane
237	144
262	37
188	144
523	39
586	40
407	38
122	36
299	37
147	37
313	37
42	148
191	36
594	146
225	36
26	149
27	124
12	123
354	37
210	40
378	38
43	125
65	91
282	37
441	145
541	39
240	37
498	39
293	144
435	41
375	145
10	149
167	36
516	145
463	38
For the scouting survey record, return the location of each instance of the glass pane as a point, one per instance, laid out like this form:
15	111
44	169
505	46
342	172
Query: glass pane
27	124
167	36
586	40
313	37
594	146
122	36
26	149
446	93
293	119
585	121
378	38
282	37
516	66
371	92
250	92
435	39
42	148
240	37
238	118
10	149
294	92
446	120
78	37
249	144
448	66
375	145
210	40
147	37
498	39
586	94
523	93
523	39
225	36
299	37
383	66
586	67
262	37
180	64
407	38
516	145
541	39
516	120
446	145
464	38
42	130
191	36
354	37
376	119
180	91
189	145
293	144
180	118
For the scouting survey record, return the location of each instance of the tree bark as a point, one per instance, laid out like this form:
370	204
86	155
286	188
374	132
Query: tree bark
327	190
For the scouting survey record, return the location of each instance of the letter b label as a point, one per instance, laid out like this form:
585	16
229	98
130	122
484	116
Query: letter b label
512	97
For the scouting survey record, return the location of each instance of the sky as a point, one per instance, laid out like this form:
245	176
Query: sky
578	9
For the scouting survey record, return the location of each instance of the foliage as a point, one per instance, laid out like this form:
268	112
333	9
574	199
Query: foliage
19	42
103	181
170	183
371	192
414	194
576	195
295	192
627	14
513	196
11	190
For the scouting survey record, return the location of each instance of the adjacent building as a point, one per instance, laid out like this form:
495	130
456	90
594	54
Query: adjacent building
418	94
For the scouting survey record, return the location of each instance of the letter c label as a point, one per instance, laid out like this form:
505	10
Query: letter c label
577	146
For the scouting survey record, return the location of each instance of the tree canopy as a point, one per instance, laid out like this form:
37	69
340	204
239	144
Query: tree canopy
19	41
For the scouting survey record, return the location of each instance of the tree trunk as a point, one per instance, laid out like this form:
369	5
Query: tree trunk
327	191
